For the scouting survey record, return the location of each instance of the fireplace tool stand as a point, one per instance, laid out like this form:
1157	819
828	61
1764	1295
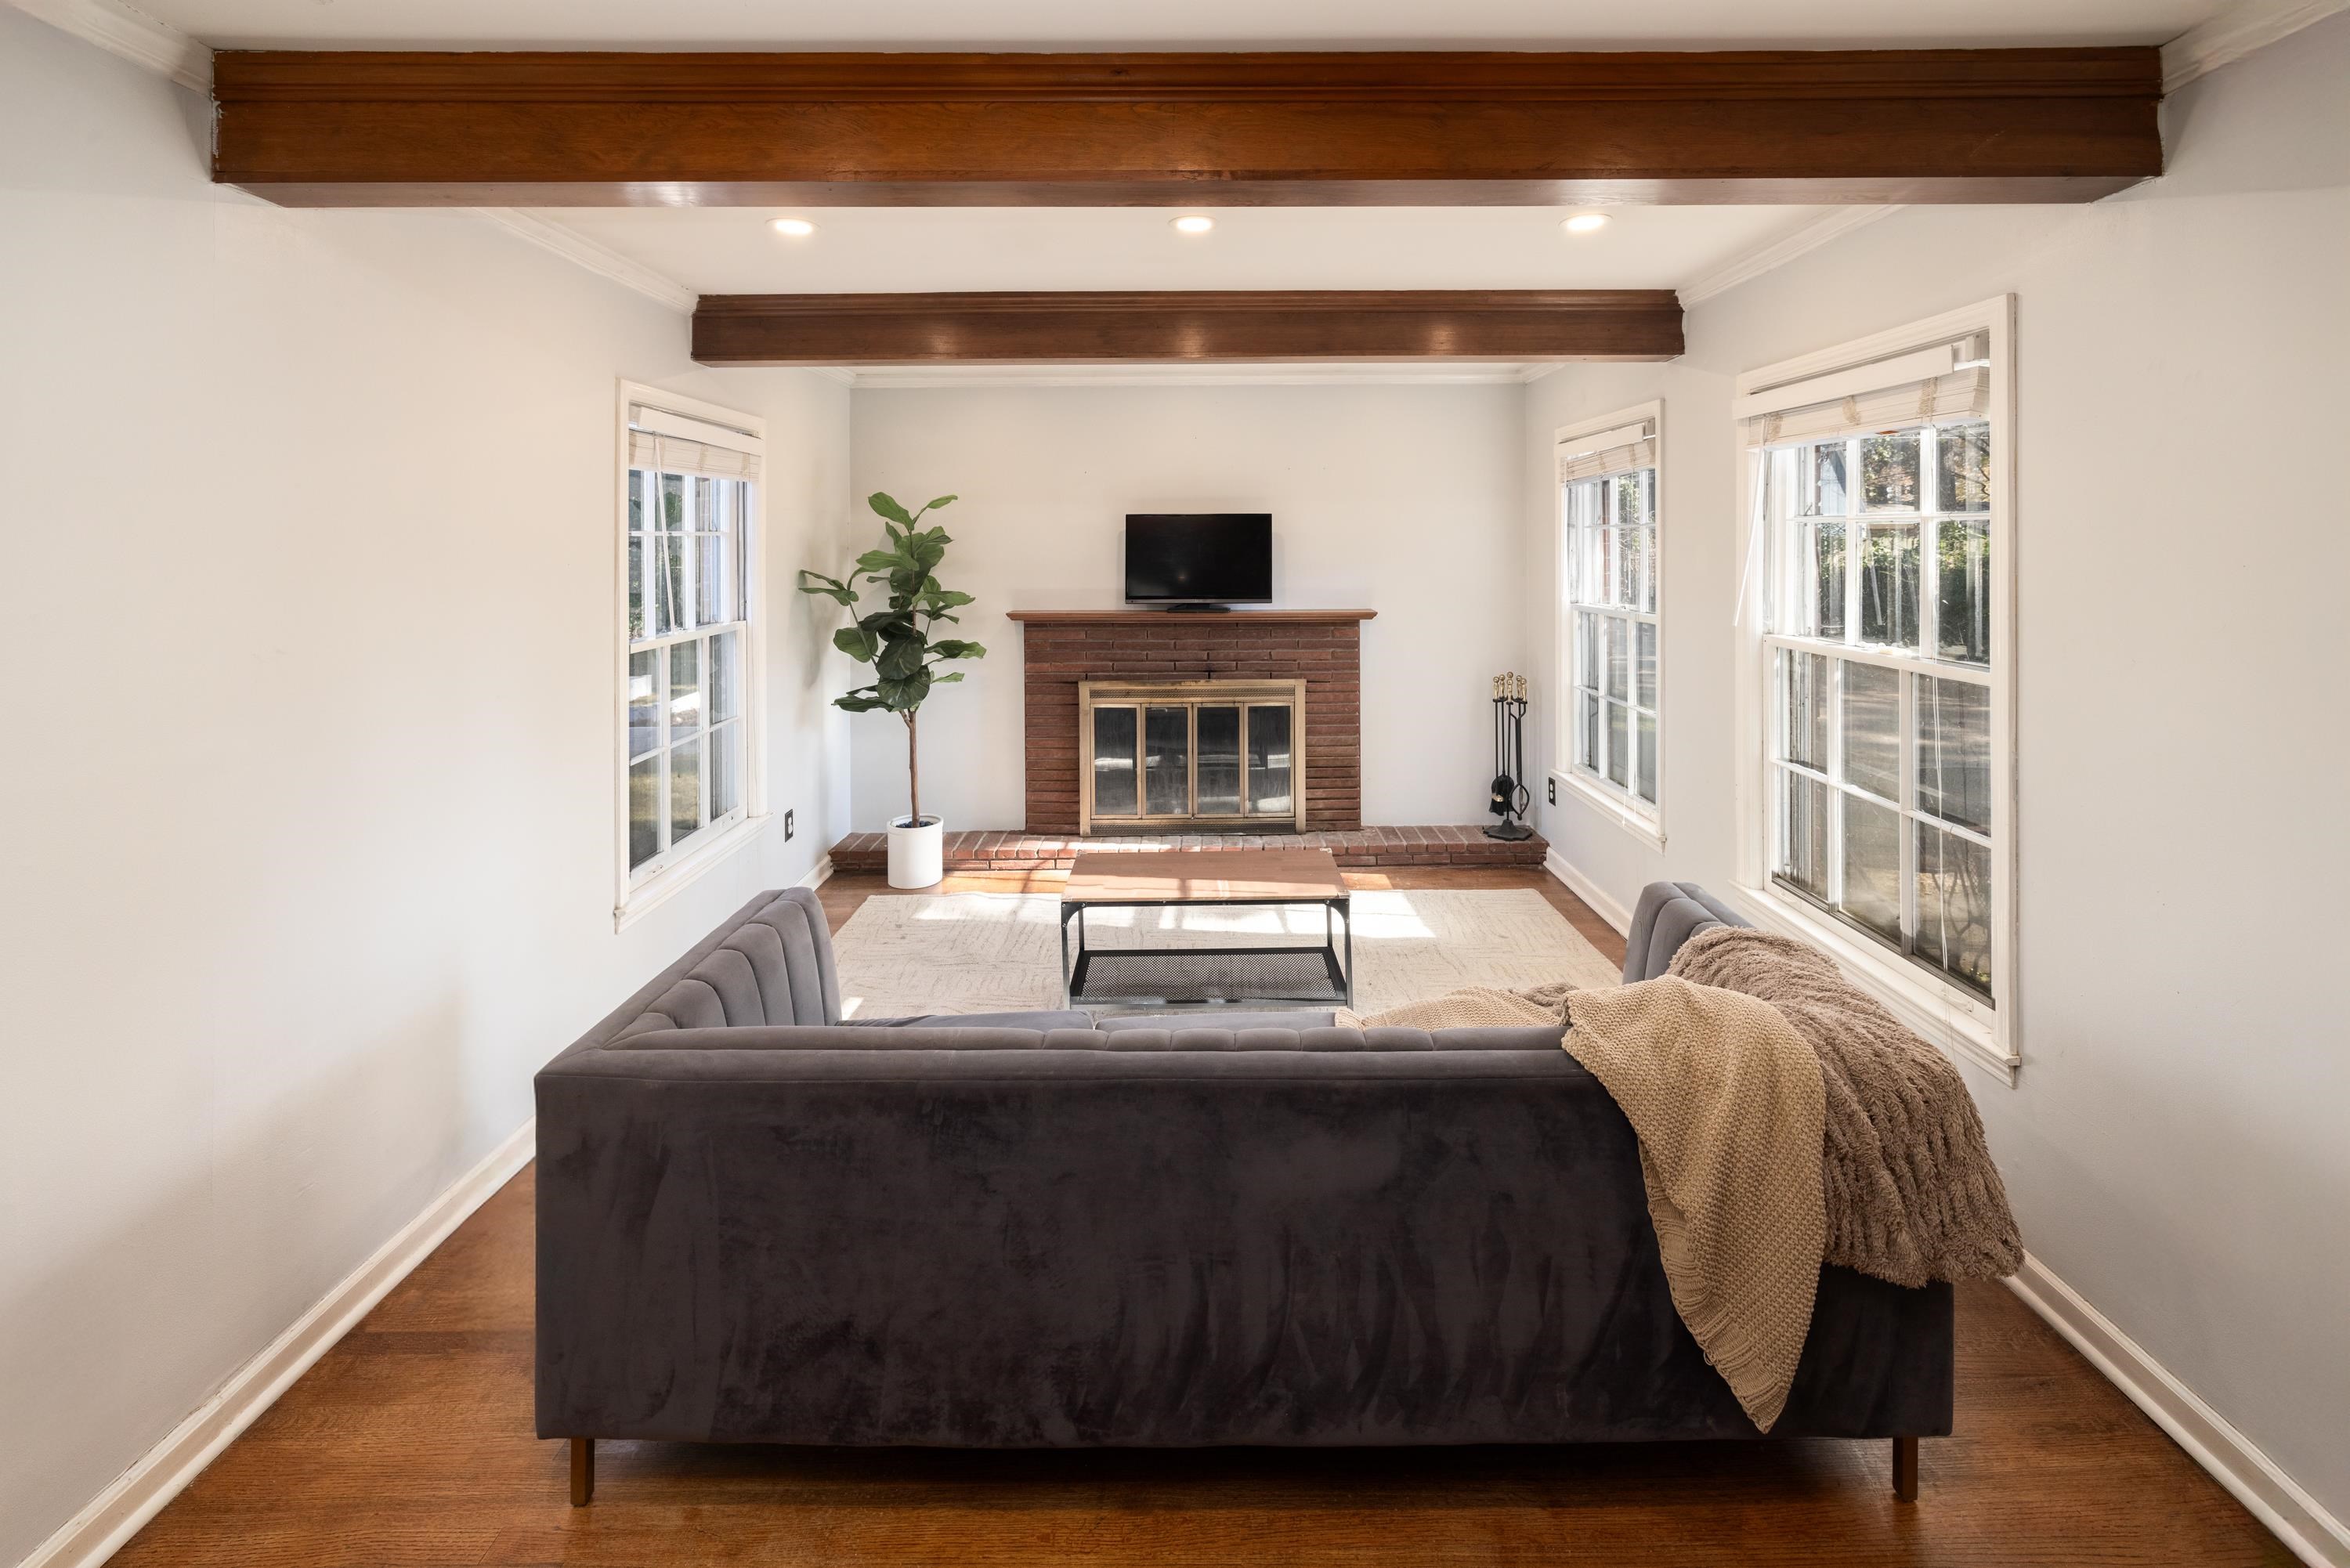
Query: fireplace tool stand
1510	795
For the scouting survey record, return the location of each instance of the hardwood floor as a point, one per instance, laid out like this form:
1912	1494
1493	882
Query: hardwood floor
409	1443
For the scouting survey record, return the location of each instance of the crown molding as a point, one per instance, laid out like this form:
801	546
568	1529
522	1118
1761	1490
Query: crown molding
578	249
2247	25
1780	252
133	35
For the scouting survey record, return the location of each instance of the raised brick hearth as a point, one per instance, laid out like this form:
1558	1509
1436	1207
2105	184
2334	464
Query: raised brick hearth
1322	648
1363	846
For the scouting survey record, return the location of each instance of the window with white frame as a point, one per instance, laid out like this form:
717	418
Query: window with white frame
1882	515
689	533
1608	624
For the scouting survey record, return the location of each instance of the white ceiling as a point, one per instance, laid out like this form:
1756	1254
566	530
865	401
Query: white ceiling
1174	23
891	249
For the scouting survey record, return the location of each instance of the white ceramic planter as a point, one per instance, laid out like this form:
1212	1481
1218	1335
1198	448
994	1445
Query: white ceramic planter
917	852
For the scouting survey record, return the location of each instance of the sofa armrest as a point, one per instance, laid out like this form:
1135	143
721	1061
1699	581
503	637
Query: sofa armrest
1669	913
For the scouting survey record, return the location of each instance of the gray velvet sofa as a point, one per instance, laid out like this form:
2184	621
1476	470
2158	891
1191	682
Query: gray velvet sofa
757	1224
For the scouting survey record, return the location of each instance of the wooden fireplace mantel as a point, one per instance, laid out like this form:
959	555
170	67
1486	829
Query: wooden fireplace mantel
1139	617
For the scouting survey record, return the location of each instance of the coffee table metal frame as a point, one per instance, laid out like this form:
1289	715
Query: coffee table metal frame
1338	912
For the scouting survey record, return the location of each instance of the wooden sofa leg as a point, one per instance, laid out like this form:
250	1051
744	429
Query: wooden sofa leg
1905	1468
583	1471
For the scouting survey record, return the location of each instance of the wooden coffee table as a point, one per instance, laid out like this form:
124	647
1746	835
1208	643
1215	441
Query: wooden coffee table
1155	878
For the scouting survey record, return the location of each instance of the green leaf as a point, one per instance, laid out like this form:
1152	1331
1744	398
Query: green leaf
857	702
902	658
904	696
940	599
942	679
859	643
941	501
883	504
956	647
830	588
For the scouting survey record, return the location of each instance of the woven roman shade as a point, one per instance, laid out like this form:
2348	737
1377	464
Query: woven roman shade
1618	450
1943	384
673	443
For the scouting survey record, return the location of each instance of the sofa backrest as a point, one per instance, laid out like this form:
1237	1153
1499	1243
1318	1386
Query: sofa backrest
1182	1038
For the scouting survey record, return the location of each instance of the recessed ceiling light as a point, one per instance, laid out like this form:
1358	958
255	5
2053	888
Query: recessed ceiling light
1193	223
1585	223
798	228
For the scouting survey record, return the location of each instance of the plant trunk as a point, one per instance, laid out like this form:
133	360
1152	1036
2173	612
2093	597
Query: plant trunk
913	775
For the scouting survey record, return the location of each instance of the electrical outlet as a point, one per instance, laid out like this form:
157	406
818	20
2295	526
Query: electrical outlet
1553	799
789	829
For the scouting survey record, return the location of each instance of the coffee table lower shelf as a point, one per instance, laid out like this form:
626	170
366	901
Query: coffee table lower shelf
1337	949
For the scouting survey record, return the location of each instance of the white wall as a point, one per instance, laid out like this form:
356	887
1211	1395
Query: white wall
2176	1145
308	801
1401	499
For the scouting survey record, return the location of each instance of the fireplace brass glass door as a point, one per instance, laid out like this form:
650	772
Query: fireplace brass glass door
1160	756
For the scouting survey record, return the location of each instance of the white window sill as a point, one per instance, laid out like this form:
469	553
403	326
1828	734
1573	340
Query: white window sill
1963	1028
679	875
1618	809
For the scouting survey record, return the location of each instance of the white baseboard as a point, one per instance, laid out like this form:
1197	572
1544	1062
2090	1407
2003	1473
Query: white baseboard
1585	888
818	874
2298	1519
115	1516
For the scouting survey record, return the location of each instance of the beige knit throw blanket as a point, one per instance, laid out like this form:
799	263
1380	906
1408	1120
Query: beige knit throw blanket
1726	1101
1911	1193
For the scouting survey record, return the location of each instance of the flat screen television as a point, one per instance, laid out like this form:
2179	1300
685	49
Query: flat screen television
1199	558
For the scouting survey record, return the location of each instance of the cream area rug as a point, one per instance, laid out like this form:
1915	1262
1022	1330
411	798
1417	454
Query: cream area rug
994	952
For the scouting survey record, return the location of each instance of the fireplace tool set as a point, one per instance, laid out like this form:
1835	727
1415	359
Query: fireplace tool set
1510	797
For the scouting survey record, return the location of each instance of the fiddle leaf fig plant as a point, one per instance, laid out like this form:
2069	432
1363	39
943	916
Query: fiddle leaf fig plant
899	641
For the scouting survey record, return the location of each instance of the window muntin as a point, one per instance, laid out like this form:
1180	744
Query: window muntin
1608	535
1878	604
687	623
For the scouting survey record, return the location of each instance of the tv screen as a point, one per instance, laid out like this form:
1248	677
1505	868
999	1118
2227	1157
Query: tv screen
1199	557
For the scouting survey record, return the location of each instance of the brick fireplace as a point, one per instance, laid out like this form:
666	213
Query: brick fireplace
1323	648
1063	651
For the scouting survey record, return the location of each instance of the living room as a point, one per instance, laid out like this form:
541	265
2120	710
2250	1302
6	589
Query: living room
1838	472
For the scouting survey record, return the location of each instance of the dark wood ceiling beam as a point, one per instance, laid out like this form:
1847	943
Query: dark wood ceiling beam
374	129
1179	326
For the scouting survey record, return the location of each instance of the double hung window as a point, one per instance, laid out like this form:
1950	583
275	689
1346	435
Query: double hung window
1882	535
1610	625
689	533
